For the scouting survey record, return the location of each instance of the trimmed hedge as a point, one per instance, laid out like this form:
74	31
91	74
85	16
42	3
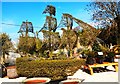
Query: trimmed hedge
54	69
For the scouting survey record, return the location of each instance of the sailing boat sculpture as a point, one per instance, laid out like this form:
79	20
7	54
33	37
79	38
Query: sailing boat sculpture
26	27
51	22
49	26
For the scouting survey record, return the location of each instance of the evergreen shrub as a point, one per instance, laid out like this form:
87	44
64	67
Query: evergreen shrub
54	69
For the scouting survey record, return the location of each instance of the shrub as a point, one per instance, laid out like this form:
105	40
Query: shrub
26	44
54	69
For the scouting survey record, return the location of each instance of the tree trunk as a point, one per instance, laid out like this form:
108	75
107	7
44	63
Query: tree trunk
3	57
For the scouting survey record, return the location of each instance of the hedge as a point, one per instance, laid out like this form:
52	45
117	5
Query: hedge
54	69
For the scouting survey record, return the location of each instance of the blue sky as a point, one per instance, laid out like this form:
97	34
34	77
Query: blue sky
16	12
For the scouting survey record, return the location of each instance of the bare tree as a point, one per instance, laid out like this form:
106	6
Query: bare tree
107	14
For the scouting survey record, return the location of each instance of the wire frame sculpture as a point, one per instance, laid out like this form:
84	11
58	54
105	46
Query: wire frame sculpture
50	9
51	22
119	8
66	21
26	27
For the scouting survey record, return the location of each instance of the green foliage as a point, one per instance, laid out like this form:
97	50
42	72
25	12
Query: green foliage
111	54
103	48
85	38
61	55
91	53
68	38
51	40
54	69
26	44
96	47
109	35
29	45
5	43
38	44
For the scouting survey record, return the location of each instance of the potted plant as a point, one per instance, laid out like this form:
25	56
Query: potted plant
99	57
91	58
111	56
